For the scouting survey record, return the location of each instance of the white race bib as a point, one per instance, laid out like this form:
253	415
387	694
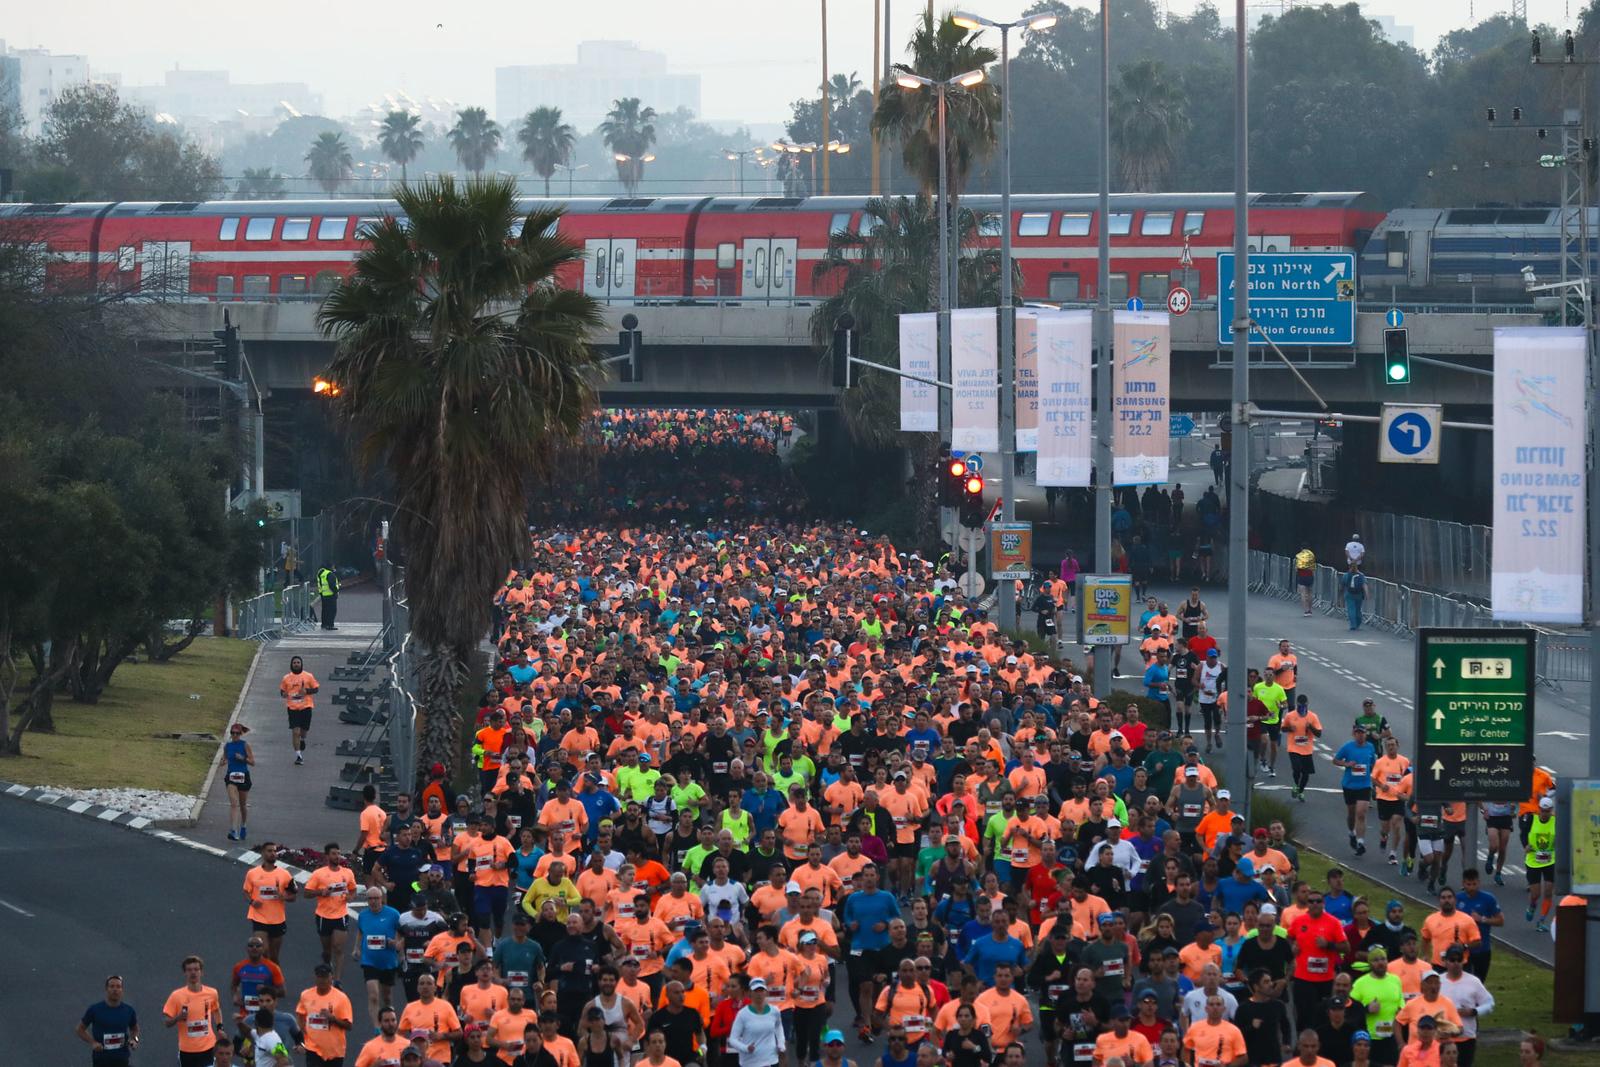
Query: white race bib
1383	1029
377	942
1019	856
1317	964
518	979
1113	968
267	892
234	778
1083	1051
197	1028
414	956
319	1021
113	1042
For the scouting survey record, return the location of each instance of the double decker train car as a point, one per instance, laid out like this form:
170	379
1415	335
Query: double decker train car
670	249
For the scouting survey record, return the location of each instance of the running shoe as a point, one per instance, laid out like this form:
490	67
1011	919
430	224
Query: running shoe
299	759
1499	879
1393	859
1542	926
1528	916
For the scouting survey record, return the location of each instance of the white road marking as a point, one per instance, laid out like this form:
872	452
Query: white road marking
20	911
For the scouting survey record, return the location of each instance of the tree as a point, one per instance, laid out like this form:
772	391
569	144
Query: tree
475	138
547	142
95	146
259	183
629	130
460	399
400	138
941	50
1148	122
328	160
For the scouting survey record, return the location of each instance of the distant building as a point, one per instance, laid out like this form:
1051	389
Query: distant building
32	78
606	71
199	97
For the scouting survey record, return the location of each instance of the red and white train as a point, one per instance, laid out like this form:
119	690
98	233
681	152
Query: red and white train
677	249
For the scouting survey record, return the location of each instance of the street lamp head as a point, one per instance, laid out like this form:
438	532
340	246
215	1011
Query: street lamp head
620	158
911	81
647	159
1040	22
969	79
968	21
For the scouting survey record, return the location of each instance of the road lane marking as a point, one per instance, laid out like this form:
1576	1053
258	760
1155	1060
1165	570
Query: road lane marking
20	911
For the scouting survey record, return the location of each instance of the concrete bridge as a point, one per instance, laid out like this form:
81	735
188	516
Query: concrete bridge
735	353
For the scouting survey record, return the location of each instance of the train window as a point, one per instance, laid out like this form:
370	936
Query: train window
257	285
1153	289
1119	288
1193	221
1121	223
868	225
366	227
331	229
839	223
296	229
293	286
1394	248
1074	224
1156	224
725	256
1034	224
1062	288
259	228
229	230
224	287
325	282
126	259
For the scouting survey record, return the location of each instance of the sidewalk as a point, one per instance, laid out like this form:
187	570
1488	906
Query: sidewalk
286	801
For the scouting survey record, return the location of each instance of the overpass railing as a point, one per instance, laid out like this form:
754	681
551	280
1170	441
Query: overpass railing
1397	608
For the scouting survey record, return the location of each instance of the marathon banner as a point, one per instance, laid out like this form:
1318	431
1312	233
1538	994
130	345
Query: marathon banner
1064	341
919	354
1027	347
974	371
1141	393
1540	387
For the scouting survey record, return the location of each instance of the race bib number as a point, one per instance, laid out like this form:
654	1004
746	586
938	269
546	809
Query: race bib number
809	992
518	979
1383	1028
252	1002
775	992
198	1028
855	952
1019	857
377	943
337	889
234	778
1113	968
113	1042
566	826
625	911
1317	964
992	807
483	863
1191	811
1083	1051
1543	856
900	822
319	1021
1429	822
1055	989
641	952
1393	779
719	767
855	759
415	956
267	892
514	1047
916	1024
514	822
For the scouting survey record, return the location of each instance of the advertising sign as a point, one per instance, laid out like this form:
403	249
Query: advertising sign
1141	397
1105	609
919	354
1065	343
1027	380
974	369
1011	550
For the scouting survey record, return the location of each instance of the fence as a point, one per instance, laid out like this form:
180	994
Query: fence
402	724
273	613
1560	657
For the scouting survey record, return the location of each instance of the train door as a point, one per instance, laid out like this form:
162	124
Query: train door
1417	258
611	270
166	267
769	267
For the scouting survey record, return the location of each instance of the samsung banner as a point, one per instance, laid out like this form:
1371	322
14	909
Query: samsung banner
919	354
1027	380
1065	343
974	370
1540	388
1141	395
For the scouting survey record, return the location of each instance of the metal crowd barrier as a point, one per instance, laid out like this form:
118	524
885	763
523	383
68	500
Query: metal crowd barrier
402	724
270	614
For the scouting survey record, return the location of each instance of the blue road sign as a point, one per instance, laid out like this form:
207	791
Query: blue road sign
1296	298
1181	426
1135	304
1394	319
1410	434
974	463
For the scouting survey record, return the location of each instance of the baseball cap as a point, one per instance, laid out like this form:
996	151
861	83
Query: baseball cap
1547	801
1204	926
793	887
757	983
1107	917
1113	822
1427	1022
808	938
1272	909
1191	772
1454	952
1378	953
1223	794
1248	868
1260	832
901	774
833	1037
1146	994
1211	653
1119	1010
1361	1035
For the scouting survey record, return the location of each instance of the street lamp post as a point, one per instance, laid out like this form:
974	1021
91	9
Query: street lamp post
1237	758
1008	310
571	169
812	149
638	166
1102	330
732	154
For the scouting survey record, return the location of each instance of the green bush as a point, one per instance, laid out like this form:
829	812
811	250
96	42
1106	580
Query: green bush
1266	809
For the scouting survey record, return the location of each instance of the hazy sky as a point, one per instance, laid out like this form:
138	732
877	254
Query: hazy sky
754	56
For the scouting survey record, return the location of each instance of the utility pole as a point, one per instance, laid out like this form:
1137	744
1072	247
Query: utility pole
1237	757
1102	348
1008	335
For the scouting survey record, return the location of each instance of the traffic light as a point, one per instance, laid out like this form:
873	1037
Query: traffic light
972	510
952	476
629	343
1396	357
227	355
844	345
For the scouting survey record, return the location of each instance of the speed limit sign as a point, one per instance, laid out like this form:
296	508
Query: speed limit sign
1178	300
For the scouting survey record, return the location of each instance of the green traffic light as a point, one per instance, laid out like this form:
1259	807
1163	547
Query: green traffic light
1397	372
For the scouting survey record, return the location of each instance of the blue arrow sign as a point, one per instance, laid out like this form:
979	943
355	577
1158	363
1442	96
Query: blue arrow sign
974	463
1296	298
1394	319
1135	304
1409	434
1181	426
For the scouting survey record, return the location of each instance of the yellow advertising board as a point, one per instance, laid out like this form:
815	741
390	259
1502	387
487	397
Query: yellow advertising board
1011	550
1105	609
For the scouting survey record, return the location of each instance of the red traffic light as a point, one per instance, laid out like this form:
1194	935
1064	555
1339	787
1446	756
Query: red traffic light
957	468
974	484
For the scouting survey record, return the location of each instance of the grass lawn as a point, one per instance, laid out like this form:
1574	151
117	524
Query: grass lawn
1523	991
112	744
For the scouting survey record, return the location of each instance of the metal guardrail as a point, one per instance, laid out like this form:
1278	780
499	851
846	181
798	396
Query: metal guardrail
270	614
1560	657
402	724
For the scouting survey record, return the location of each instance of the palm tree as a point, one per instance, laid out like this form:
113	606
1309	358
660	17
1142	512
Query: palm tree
329	161
475	138
842	88
1149	118
400	138
259	183
546	142
629	131
461	364
941	51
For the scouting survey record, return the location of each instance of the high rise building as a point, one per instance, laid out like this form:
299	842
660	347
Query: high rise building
606	71
32	78
197	97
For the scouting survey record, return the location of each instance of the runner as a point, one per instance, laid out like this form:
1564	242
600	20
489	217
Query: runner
332	885
194	1009
1357	757
298	689
1540	860
1303	727
324	1013
110	1027
237	759
268	887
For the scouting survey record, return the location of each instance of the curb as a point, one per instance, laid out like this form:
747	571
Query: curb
216	763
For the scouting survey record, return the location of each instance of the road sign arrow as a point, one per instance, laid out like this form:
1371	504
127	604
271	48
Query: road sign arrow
1437	768
1438	668
1336	272
1438	720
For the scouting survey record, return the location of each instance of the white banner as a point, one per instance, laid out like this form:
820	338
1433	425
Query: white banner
1066	397
919	354
1027	342
1141	395
974	370
1540	387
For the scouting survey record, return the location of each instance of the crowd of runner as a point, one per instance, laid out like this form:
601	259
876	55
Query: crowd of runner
738	793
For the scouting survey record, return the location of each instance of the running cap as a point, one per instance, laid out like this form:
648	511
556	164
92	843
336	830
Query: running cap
833	1037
